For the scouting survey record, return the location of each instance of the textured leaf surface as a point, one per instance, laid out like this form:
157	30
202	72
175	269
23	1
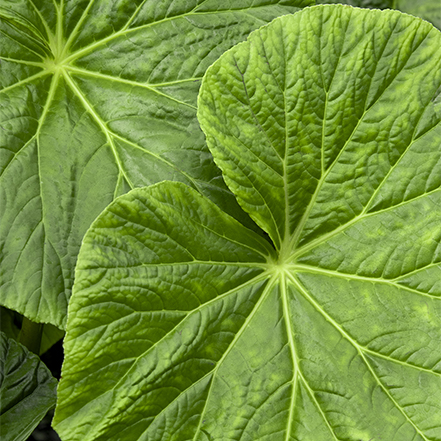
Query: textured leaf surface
99	97
430	10
27	390
184	325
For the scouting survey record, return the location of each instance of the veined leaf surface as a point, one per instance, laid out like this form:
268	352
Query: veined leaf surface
27	390
98	97
185	325
430	10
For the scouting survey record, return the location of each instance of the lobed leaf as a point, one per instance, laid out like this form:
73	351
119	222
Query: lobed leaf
185	325
99	97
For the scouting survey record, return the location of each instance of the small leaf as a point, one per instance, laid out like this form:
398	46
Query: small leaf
27	390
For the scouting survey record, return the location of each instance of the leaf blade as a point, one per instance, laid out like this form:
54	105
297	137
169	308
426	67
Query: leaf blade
342	308
27	388
88	115
149	243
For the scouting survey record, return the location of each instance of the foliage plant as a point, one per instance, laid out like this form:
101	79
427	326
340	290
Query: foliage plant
27	390
96	97
184	324
99	97
308	309
428	9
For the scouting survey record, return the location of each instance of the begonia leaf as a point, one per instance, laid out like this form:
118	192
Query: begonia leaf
98	97
185	325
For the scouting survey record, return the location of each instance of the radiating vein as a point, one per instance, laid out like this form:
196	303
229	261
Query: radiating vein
358	345
131	83
15	154
22	45
300	227
263	266
100	122
390	282
43	20
153	155
173	82
266	291
363	215
290	335
25	62
126	30
75	30
360	349
25	81
50	97
319	408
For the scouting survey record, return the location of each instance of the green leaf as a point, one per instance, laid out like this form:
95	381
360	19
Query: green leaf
430	10
378	4
185	325
27	390
99	97
10	324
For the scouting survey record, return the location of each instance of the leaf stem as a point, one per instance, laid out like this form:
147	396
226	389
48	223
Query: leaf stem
30	335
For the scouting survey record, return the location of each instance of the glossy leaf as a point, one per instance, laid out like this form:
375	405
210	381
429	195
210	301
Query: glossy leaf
185	325
27	390
97	98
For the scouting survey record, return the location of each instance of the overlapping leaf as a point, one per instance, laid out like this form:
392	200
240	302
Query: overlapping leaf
27	390
430	10
184	325
97	98
10	324
379	4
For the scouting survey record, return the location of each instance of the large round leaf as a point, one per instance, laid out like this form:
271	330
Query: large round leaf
98	97
185	325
